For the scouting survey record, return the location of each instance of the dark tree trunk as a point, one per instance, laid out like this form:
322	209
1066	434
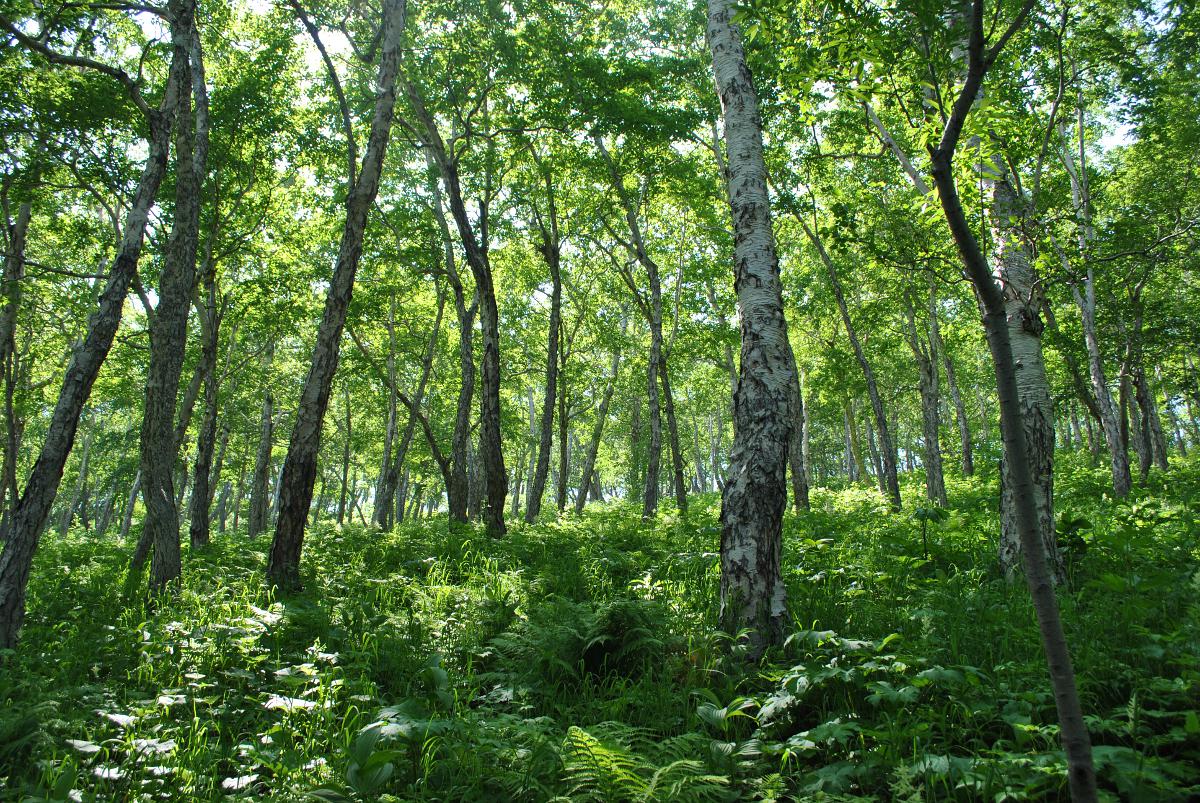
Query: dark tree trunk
300	465
202	484
475	248
550	252
260	479
168	327
341	509
997	311
30	513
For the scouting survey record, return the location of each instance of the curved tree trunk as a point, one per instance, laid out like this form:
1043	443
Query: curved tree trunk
1000	308
752	505
475	248
300	465
31	511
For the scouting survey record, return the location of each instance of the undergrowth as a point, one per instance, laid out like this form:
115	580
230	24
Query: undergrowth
578	660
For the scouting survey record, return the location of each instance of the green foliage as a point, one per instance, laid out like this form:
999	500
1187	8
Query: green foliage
577	661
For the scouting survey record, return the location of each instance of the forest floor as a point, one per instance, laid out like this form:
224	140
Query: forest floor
579	661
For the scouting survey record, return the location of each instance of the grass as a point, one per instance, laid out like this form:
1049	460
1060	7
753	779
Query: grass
578	660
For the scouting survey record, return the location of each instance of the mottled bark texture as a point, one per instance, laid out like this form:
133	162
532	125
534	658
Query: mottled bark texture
30	513
755	495
1022	290
300	465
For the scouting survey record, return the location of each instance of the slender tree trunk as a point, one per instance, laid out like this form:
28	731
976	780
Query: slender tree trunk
127	517
926	356
261	478
752	506
300	465
966	445
64	524
853	472
550	254
168	327
384	489
1000	308
30	513
475	248
456	483
564	452
1146	400
589	462
418	398
797	451
652	309
637	482
886	445
11	293
673	436
341	509
202	487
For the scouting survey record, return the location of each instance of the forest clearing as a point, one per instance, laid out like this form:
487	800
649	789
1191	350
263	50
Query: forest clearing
599	400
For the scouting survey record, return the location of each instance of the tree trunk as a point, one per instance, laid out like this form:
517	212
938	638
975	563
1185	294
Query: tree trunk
927	367
1146	400
12	292
64	524
384	489
168	326
589	462
797	451
1005	313
549	250
564	420
341	508
886	445
637	480
476	252
1021	288
300	465
418	398
673	436
30	513
752	506
261	478
652	310
202	487
456	482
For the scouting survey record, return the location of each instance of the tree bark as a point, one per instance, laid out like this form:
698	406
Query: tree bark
210	324
924	351
168	327
755	495
886	445
29	516
381	516
300	465
999	311
551	255
1022	292
589	462
261	477
652	310
476	252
